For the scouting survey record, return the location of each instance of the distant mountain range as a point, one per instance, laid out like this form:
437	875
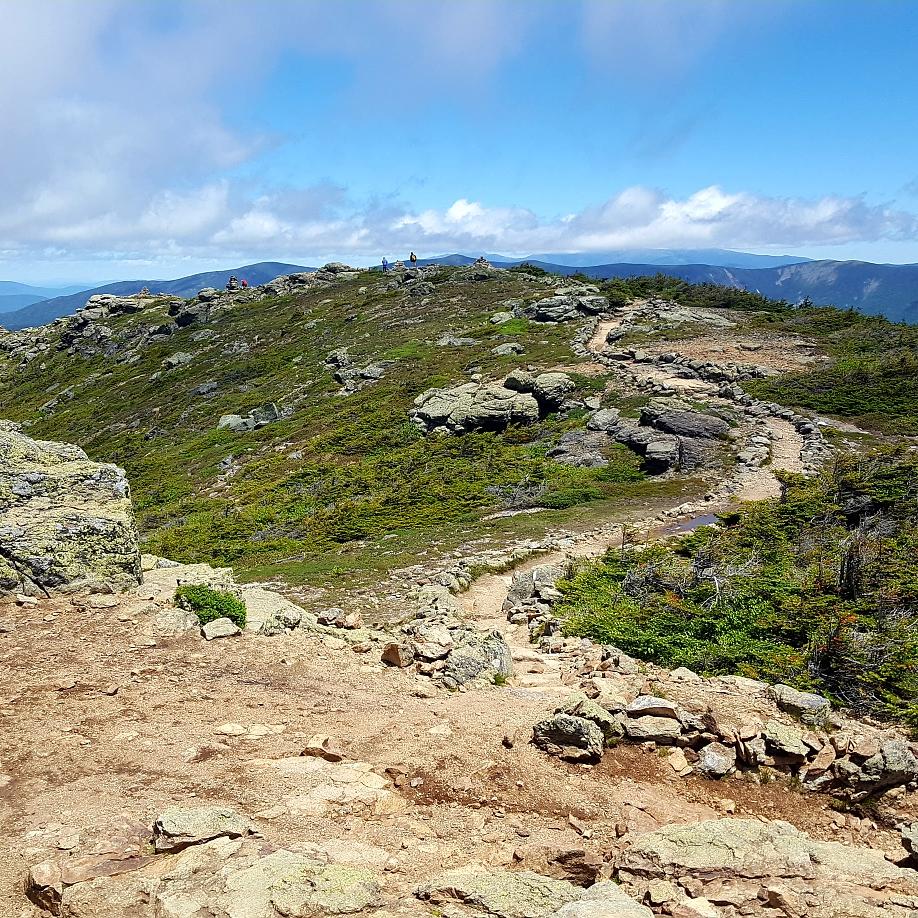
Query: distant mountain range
882	290
888	290
14	295
46	310
722	257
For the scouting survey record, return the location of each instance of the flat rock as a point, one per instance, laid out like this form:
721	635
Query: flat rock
220	628
520	894
177	828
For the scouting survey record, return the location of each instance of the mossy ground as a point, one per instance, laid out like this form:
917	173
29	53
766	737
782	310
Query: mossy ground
345	486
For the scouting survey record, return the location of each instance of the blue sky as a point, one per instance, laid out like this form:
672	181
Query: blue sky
156	139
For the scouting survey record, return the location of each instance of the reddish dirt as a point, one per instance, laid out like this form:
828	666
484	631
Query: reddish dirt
77	752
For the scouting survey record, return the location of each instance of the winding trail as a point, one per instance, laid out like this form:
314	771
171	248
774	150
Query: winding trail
483	601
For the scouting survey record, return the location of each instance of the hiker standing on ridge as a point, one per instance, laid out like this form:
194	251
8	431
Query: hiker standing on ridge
413	259
385	265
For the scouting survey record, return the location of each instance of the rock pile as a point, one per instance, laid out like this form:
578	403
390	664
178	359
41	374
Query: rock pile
65	522
255	419
565	304
722	725
348	375
522	398
716	726
440	645
669	435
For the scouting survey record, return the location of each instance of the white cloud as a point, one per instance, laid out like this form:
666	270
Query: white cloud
213	222
325	223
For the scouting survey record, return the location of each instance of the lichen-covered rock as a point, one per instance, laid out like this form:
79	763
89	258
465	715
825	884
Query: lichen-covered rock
550	389
579	705
569	737
64	521
758	868
474	407
521	894
810	708
177	828
604	900
331	889
477	655
228	877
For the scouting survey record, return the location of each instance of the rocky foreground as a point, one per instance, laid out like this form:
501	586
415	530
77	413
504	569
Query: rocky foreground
315	766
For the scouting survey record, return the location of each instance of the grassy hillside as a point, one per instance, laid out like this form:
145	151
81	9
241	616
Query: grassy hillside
342	485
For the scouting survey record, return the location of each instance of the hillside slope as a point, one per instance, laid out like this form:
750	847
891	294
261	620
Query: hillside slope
388	449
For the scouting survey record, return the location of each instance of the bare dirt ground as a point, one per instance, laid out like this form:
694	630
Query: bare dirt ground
783	354
97	722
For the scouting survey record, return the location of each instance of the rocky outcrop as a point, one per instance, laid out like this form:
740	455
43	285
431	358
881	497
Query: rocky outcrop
521	399
719	726
669	435
178	828
254	420
225	876
65	522
752	867
565	304
350	376
716	726
525	894
473	406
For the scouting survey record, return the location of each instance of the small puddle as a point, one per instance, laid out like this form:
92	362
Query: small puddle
690	525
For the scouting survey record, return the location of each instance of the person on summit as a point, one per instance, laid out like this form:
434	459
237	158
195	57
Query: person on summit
385	265
413	259
244	283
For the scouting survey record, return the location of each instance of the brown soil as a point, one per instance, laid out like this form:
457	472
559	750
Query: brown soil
77	752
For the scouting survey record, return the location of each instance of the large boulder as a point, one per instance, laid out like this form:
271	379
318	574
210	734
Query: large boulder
550	389
769	868
476	656
574	738
566	304
65	522
682	422
474	407
810	708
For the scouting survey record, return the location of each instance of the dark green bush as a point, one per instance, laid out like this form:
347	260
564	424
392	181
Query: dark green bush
210	604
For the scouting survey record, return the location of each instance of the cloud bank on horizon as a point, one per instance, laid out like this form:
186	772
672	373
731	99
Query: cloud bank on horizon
182	134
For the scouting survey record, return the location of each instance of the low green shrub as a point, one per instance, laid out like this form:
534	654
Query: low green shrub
210	604
817	589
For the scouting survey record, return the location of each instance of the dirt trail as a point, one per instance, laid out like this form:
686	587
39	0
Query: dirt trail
484	600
